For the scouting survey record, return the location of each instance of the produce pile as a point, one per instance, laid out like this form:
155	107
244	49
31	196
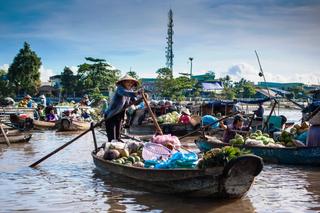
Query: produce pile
255	139
169	118
129	154
220	157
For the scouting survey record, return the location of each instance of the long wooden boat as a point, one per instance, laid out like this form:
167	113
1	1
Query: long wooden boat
16	139
43	125
174	129
67	124
231	181
281	155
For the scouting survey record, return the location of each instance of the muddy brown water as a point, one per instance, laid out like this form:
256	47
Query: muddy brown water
69	182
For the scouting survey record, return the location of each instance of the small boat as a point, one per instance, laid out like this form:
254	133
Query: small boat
41	125
281	155
67	124
16	139
149	129
231	181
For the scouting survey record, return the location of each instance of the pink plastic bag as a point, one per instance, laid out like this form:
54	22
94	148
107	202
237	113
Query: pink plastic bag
167	139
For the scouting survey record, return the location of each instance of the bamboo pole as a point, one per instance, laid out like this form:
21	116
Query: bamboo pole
155	122
5	135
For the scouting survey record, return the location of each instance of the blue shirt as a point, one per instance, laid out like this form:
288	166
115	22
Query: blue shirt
119	101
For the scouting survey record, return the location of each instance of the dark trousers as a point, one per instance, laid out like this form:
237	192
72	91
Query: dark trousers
113	126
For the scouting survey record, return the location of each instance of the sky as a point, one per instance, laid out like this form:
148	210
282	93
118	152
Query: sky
221	36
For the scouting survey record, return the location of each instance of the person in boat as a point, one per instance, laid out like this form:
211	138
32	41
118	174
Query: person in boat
85	101
231	130
39	113
26	102
43	100
9	102
259	112
185	117
114	115
51	116
104	106
313	139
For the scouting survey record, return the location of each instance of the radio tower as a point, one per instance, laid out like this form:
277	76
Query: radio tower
169	53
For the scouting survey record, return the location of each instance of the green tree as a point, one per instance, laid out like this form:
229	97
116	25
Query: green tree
5	86
165	82
68	81
24	72
244	88
133	74
96	75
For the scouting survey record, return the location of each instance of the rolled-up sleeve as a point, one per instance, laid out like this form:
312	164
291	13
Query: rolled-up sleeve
123	92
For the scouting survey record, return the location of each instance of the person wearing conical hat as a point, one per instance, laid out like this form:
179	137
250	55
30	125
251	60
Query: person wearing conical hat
26	102
185	117
122	97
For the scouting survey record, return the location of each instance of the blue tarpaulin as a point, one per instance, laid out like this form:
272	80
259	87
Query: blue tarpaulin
211	86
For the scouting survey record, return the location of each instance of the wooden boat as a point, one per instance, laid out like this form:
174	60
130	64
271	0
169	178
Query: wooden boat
285	155
231	181
149	129
37	124
16	139
67	124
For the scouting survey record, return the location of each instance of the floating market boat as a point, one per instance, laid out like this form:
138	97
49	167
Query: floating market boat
16	139
37	124
231	181
67	124
281	155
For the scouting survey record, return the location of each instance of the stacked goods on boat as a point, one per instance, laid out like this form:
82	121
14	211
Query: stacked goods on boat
161	153
220	157
171	118
129	154
255	139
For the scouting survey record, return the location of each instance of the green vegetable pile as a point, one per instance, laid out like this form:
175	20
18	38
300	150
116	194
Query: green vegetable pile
238	140
220	157
171	118
265	137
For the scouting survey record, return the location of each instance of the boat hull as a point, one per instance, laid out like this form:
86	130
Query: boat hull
16	139
231	181
43	125
66	125
286	155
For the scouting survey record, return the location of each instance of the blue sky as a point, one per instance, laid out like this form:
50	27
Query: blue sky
219	35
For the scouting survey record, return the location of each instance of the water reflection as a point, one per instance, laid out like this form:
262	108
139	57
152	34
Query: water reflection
122	195
69	182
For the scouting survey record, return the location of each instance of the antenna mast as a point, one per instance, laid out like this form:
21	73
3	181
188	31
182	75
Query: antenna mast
169	52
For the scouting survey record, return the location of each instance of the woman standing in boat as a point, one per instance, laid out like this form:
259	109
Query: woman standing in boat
114	115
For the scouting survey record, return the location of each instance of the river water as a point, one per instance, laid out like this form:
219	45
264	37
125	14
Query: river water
69	182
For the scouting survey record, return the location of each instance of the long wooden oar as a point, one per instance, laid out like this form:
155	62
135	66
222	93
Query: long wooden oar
76	138
4	135
217	121
155	122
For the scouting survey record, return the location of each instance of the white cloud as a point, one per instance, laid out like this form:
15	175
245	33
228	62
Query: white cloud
4	67
45	74
249	72
74	69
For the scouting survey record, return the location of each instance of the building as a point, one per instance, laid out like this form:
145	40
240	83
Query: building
282	86
149	84
56	81
48	90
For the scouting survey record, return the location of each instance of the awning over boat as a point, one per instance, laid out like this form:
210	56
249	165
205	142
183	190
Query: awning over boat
265	92
256	101
217	103
280	91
